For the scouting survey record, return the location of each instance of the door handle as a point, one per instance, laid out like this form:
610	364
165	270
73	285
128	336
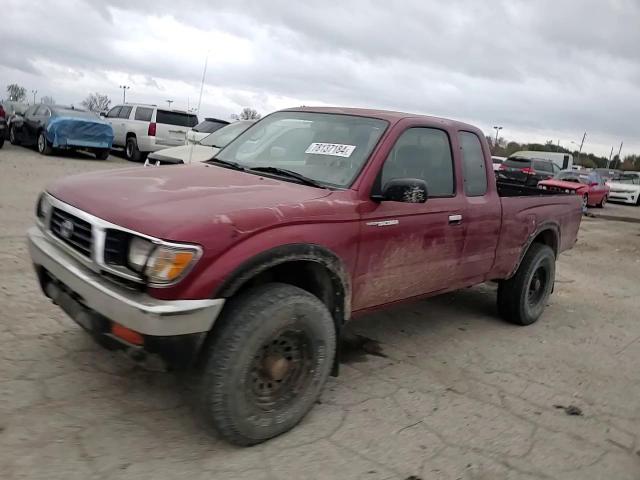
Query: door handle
455	219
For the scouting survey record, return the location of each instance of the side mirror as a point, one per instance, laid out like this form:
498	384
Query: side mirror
407	190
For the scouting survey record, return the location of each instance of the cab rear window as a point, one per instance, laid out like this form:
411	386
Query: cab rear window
176	118
517	162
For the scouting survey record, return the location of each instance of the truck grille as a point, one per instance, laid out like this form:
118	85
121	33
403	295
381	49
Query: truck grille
116	247
72	230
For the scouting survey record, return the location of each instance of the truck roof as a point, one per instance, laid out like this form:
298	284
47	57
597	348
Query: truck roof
388	115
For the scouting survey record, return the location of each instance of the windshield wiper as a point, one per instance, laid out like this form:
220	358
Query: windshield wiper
289	173
226	163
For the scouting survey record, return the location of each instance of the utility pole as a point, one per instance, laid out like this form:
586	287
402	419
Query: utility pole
34	95
581	144
497	129
204	73
169	102
610	155
619	152
124	92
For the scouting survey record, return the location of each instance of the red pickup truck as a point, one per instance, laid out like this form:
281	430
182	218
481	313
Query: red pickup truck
246	267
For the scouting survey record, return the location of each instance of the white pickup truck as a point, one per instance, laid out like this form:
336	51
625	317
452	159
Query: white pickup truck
141	129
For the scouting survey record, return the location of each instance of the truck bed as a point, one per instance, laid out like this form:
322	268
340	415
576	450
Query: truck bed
527	211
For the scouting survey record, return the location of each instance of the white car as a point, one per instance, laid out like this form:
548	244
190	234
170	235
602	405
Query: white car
202	151
141	129
204	129
625	188
497	161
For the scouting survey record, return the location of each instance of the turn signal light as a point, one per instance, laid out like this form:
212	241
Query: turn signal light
126	334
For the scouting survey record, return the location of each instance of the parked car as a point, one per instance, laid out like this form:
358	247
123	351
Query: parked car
203	150
13	110
3	125
590	186
564	161
607	173
204	128
141	129
526	171
249	265
55	126
497	161
625	187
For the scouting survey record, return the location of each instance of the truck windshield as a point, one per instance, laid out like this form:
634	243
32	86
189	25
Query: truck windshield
328	148
630	179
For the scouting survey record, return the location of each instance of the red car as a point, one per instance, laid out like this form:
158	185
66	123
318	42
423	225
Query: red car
590	185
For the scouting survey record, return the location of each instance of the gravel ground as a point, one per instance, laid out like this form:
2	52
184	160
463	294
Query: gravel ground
456	394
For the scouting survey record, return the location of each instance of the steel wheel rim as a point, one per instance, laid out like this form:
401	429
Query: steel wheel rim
281	370
129	150
41	143
12	135
585	201
537	286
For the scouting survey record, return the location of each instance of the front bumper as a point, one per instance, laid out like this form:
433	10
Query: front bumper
95	302
626	197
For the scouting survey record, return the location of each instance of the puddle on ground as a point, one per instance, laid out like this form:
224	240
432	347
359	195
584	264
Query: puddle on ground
354	348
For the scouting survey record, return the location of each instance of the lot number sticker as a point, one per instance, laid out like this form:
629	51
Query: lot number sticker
334	149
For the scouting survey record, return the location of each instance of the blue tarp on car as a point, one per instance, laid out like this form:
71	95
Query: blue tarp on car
67	131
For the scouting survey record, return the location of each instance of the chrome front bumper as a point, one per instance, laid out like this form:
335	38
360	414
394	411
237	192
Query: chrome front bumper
135	310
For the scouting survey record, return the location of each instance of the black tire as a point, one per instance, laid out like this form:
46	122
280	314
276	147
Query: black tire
603	202
274	344
523	297
44	147
638	201
13	136
2	141
102	153
131	151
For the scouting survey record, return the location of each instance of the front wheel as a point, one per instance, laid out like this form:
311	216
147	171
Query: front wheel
131	151
265	367
523	297
44	147
102	153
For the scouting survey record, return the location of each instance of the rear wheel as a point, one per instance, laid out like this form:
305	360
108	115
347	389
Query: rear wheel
265	367
44	147
523	297
585	202
131	151
603	202
102	153
13	136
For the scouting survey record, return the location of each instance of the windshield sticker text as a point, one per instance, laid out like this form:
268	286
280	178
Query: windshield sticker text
334	149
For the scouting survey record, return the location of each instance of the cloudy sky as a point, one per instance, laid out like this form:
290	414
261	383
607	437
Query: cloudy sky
548	69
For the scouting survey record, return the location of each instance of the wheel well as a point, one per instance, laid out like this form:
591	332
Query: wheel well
548	237
129	135
308	275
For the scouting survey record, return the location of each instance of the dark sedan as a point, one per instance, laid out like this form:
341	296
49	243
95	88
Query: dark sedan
48	127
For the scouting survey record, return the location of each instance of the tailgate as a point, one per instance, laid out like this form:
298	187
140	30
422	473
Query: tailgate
172	127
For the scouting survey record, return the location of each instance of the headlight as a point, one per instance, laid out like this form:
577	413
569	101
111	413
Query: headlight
161	263
43	207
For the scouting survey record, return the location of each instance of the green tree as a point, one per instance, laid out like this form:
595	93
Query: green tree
16	92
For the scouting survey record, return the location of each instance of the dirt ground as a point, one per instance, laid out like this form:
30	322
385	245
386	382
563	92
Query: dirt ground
457	394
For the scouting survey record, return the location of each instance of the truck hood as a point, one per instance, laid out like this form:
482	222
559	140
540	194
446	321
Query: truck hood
623	187
181	202
185	153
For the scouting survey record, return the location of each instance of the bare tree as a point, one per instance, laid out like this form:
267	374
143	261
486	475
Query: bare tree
247	113
16	92
96	102
47	100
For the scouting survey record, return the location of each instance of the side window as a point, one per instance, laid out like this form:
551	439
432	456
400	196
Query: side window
542	166
36	110
124	112
423	153
113	113
474	171
144	114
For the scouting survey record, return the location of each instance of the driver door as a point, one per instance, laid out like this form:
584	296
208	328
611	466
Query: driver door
412	249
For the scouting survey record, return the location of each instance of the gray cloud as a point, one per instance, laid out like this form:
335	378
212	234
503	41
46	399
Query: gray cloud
542	69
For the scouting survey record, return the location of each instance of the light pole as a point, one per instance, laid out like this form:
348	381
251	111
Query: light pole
34	95
169	102
204	73
497	129
124	92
